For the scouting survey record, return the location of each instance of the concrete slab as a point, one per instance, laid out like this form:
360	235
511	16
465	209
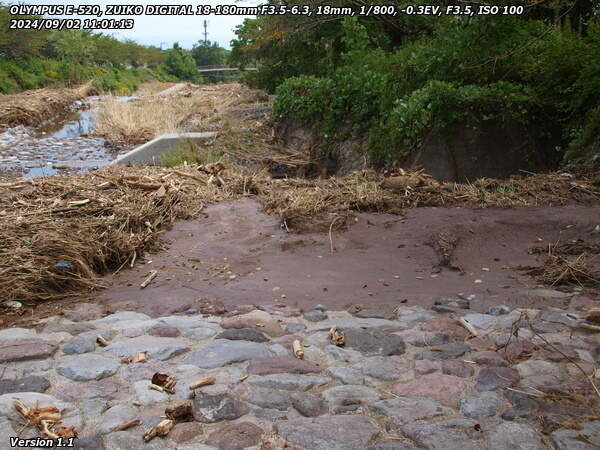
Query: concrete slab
148	154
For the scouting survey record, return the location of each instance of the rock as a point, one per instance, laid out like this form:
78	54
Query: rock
403	410
412	315
71	328
17	334
80	344
28	384
221	352
562	316
122	317
321	308
87	367
188	323
533	367
491	378
346	375
161	348
441	352
199	333
386	368
235	436
270	415
324	432
451	434
255	319
133	328
287	382
483	404
457	368
557	353
282	364
516	349
147	396
93	442
374	313
454	302
214	408
488	358
242	334
447	326
315	315
393	445
6	431
372	342
268	398
23	350
342	354
570	439
483	321
522	401
424	366
515	414
116	416
426	338
107	388
498	310
294	327
84	311
350	395
513	436
549	293
161	330
186	431
130	440
308	405
445	389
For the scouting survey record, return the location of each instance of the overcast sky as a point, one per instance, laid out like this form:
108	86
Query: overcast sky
164	30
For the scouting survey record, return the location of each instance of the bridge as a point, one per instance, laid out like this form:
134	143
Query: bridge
224	69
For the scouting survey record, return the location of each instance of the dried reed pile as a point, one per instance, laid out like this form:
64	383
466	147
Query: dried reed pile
31	108
58	234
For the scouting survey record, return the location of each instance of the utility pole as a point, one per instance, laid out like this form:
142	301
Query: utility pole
205	31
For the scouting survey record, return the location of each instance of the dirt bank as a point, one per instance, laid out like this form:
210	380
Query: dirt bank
31	108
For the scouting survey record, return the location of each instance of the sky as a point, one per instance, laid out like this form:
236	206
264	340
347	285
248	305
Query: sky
164	30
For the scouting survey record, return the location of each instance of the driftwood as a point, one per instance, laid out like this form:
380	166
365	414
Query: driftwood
336	337
298	350
180	413
162	429
202	382
149	279
126	425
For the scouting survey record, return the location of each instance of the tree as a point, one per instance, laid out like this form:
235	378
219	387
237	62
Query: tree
179	62
209	54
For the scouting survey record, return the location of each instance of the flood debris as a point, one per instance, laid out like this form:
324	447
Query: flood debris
162	429
206	381
162	382
336	337
181	412
140	357
45	420
127	425
149	279
298	350
101	341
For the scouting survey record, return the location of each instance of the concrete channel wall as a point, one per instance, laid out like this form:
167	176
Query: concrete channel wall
149	153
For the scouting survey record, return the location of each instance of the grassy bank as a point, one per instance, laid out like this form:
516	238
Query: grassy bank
35	73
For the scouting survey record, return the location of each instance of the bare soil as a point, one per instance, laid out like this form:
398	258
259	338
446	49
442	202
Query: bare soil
241	256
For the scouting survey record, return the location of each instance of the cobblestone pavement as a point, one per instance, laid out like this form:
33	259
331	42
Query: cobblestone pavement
407	379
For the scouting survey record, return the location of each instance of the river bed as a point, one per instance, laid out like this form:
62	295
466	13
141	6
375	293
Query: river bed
61	144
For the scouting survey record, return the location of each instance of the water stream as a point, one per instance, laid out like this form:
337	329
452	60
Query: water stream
61	144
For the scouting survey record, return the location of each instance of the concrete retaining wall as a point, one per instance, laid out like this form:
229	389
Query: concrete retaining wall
148	154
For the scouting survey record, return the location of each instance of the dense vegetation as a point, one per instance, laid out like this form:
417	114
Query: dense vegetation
31	59
393	79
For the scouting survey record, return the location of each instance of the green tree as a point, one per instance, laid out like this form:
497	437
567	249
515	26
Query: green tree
209	54
180	63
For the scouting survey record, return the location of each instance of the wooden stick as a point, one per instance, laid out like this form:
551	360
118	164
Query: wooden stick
149	279
162	429
298	350
131	423
470	328
101	341
202	382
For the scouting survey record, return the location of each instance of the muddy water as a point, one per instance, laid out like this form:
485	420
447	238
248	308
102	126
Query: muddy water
61	144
